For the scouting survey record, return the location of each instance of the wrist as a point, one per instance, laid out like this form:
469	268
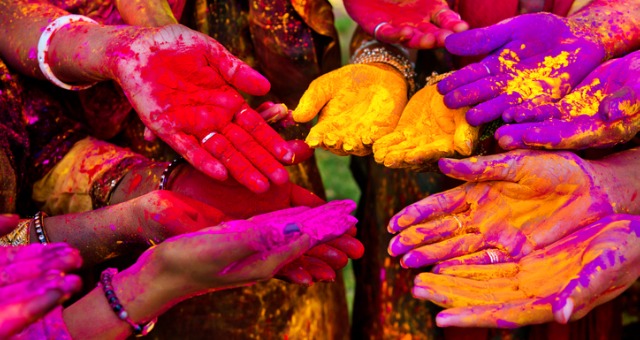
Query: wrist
373	52
141	179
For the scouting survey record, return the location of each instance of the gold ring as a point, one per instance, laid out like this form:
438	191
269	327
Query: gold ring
375	30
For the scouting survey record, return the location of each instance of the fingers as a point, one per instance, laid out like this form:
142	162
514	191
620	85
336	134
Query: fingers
480	41
8	222
16	255
314	98
61	260
318	269
450	20
500	315
500	167
422	234
236	72
254	125
349	245
451	291
29	303
392	34
484	257
329	255
301	151
621	104
493	109
293	272
465	137
239	167
256	154
474	93
449	248
532	113
329	221
434	206
197	155
303	197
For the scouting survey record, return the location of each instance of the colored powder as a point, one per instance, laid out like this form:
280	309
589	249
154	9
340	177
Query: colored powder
542	80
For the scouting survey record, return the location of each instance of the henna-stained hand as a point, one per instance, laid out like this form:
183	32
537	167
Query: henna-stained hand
195	107
562	281
534	59
426	132
602	111
513	204
414	23
357	104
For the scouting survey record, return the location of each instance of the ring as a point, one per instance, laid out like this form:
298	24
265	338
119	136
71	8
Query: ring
435	15
375	30
487	68
207	137
494	255
458	220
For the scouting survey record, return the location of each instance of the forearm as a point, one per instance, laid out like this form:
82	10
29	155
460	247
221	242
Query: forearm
79	52
143	291
619	176
146	13
615	23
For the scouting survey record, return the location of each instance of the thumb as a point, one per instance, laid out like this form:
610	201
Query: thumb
314	99
480	41
501	167
622	103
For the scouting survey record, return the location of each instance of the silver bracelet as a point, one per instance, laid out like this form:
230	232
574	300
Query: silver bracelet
368	55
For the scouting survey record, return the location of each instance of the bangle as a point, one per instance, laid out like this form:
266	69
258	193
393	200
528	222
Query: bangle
43	48
164	179
38	224
104	185
366	55
18	237
114	303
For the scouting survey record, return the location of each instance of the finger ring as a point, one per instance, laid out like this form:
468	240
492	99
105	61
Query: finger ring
207	137
435	15
494	256
458	220
487	68
375	30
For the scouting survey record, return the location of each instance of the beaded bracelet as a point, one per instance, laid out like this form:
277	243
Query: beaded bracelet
38	224
43	48
366	55
105	281
164	179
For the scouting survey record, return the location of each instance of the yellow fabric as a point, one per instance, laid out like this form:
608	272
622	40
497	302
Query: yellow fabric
65	189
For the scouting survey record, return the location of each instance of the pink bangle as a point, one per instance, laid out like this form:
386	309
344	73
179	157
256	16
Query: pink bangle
43	48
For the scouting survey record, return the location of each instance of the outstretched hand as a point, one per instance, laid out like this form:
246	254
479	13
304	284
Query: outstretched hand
534	59
184	86
357	105
589	267
246	251
514	204
426	132
602	111
418	24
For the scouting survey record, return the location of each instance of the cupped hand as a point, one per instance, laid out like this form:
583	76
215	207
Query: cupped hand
514	204
245	251
534	59
426	132
185	87
357	104
415	23
562	281
34	280
602	111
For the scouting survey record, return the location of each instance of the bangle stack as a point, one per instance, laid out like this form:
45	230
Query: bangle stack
43	48
164	179
367	55
38	223
105	281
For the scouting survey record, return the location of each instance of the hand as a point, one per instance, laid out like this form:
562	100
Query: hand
415	23
321	262
535	59
602	111
34	281
515	203
562	281
357	103
426	132
158	215
251	250
196	96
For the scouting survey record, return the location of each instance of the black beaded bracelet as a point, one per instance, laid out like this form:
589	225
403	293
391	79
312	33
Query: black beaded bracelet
38	224
164	179
114	303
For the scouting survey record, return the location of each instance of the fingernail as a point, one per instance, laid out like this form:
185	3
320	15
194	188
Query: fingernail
563	314
413	260
291	228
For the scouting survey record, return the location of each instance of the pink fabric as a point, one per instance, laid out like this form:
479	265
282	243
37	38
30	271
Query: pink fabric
104	11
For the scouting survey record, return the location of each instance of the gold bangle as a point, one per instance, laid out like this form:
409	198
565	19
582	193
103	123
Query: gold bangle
366	55
19	236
